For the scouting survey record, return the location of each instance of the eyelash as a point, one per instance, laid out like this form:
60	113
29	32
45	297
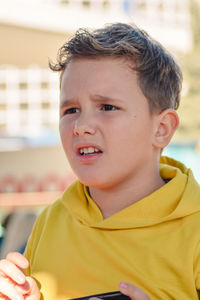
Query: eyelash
104	107
110	106
70	111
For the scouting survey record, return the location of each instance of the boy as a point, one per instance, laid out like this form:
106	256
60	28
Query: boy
128	218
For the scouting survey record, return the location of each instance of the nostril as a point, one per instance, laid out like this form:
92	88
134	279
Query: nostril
84	129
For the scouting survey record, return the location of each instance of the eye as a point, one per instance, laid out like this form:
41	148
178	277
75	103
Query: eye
108	107
71	110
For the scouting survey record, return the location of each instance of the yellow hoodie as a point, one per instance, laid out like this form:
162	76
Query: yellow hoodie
154	243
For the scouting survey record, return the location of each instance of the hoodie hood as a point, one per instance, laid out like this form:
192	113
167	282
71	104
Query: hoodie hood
180	197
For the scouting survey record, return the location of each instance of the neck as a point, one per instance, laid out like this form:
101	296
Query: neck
113	199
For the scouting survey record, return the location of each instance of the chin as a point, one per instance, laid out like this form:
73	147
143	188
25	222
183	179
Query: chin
91	182
87	177
97	184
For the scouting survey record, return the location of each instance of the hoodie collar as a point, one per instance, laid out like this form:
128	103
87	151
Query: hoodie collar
178	198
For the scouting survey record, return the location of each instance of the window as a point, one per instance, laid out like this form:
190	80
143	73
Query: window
64	1
44	85
45	105
23	85
86	3
23	105
142	5
3	106
3	128
2	86
106	3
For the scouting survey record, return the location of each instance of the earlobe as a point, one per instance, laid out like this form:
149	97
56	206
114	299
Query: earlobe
166	124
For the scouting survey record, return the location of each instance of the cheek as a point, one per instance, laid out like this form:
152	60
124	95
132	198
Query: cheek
133	134
65	126
65	133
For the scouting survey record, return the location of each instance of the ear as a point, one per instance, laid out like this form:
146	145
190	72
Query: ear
166	124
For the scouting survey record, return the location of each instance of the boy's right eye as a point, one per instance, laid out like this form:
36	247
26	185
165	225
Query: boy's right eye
71	110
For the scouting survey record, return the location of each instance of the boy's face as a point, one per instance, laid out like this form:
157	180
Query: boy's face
103	111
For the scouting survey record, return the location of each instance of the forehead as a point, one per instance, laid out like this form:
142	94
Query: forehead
107	78
99	73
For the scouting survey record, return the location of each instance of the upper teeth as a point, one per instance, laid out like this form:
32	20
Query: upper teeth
88	150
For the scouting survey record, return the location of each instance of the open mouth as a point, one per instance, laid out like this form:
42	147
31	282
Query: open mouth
89	151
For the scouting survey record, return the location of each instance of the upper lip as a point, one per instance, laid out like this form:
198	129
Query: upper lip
86	145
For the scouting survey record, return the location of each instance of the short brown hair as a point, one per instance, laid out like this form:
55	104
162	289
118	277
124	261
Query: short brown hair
160	78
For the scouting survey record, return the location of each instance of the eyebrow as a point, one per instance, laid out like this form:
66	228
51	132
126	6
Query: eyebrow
101	98
95	98
68	102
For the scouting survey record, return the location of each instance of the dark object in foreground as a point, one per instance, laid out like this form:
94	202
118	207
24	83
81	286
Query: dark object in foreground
108	296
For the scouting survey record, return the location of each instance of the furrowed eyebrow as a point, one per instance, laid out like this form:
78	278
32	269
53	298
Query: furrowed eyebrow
100	98
68	102
96	98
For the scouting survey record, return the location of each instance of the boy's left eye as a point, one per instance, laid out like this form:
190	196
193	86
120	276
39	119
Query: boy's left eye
107	107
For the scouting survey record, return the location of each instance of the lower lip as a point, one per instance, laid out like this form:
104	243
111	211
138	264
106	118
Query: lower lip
89	157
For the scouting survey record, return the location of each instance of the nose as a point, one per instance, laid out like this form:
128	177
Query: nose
80	129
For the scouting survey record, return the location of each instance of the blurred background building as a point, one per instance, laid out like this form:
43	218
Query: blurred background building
32	31
33	169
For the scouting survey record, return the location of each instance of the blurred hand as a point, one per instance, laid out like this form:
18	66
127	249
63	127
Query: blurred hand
13	283
132	291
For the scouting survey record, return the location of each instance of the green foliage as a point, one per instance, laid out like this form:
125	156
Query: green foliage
195	22
190	103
